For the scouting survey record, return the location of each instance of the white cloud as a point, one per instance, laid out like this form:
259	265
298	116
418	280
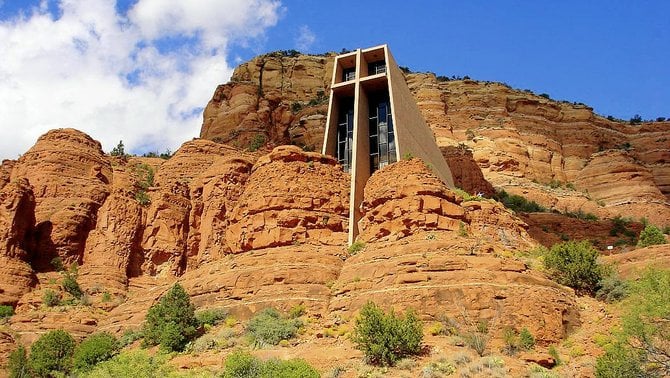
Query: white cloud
305	39
114	76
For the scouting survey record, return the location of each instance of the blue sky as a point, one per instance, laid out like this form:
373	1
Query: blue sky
142	70
612	55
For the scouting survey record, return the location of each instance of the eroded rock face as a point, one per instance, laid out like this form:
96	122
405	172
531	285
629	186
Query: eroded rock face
447	275
417	200
291	197
70	178
173	227
17	209
466	173
116	237
283	99
245	283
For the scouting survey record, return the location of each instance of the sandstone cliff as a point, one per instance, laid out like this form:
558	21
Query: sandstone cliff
516	138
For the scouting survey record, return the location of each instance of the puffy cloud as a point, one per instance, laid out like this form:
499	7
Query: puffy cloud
305	39
142	77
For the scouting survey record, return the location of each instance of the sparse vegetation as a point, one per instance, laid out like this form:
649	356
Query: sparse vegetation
257	142
211	317
385	338
462	230
297	311
526	339
268	327
134	363
119	150
6	311
17	364
612	288
518	203
467	196
70	284
356	247
240	364
50	298
575	264
477	340
651	235
553	352
171	322
52	354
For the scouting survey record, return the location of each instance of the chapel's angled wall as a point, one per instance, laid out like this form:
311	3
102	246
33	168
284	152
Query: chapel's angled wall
413	136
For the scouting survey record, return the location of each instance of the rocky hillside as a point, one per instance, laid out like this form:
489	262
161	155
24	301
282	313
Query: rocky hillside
559	154
244	221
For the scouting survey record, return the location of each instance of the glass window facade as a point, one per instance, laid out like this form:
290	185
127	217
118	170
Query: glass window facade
376	67
382	135
345	133
348	74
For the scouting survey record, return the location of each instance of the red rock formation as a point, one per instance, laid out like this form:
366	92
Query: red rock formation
70	177
516	136
280	98
115	239
17	209
417	201
174	214
214	196
465	171
444	275
291	197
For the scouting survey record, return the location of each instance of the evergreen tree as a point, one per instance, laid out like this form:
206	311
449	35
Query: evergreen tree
171	322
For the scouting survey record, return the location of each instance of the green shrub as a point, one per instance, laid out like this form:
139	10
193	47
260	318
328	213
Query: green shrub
171	322
511	340
619	225
356	247
257	142
71	286
288	369
6	311
526	339
145	176
17	364
94	349
52	352
651	235
50	298
142	197
240	364
575	264
466	196
477	341
268	327
645	321
135	363
212	316
554	353
106	297
385	338
518	203
130	336
297	311
612	289
619	361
